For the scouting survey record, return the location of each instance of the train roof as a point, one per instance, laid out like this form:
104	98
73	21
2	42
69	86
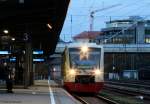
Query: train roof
94	45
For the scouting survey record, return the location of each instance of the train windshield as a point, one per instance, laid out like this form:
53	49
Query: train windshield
85	61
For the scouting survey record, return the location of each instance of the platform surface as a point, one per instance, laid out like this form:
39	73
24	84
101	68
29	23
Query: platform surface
38	94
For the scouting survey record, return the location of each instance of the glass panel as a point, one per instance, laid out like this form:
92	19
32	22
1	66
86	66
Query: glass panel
85	61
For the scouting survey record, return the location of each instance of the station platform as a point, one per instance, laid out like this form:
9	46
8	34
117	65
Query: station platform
38	94
45	83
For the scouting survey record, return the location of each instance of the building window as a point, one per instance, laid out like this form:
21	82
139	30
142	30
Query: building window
147	32
147	40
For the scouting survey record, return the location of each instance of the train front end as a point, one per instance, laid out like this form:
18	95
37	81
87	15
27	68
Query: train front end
85	70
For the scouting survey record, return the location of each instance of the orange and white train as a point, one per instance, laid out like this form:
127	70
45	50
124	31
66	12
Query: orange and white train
83	67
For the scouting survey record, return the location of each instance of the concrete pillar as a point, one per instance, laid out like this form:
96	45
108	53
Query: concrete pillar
140	33
18	77
28	77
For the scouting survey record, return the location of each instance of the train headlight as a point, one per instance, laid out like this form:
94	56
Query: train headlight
97	71
84	49
72	71
84	52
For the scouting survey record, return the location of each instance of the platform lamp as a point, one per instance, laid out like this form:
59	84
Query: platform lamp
6	31
12	41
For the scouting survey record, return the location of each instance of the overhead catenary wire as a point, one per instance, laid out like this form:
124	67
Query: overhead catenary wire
95	16
122	7
99	10
132	5
98	16
92	4
137	9
114	16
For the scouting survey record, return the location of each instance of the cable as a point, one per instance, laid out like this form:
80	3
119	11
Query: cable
129	5
136	9
118	9
91	5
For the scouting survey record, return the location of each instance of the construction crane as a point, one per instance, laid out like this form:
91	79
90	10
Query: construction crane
98	10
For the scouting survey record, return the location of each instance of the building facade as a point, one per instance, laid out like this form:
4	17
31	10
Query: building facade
134	30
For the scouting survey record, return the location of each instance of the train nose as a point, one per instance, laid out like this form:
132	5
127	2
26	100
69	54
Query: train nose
84	79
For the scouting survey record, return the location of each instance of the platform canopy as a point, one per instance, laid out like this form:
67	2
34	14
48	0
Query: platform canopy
37	21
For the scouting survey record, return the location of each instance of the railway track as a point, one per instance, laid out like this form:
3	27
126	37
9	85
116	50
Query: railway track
132	91
97	99
80	99
138	82
130	84
125	96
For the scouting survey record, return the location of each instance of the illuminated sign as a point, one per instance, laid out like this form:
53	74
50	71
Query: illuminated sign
4	52
38	59
13	59
37	52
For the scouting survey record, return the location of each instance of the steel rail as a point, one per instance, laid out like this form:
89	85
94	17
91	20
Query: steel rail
106	99
80	99
96	96
128	92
